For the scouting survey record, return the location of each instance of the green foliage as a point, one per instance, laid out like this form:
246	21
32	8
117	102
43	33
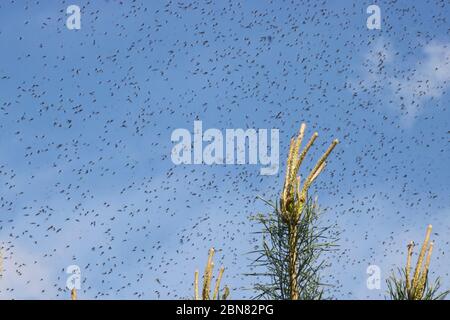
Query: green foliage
312	240
416	286
397	289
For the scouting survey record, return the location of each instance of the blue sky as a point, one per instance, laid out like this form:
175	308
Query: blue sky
86	118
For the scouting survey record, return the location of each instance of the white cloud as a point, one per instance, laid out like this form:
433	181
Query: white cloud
410	86
429	79
22	276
